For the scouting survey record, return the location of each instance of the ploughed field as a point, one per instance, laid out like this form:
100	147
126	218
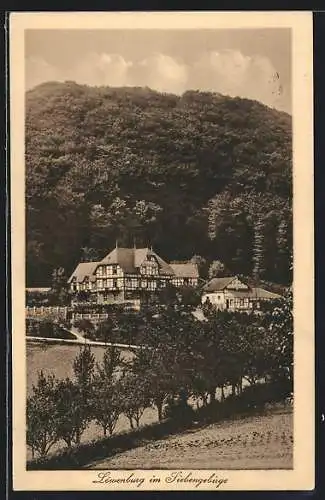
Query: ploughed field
259	442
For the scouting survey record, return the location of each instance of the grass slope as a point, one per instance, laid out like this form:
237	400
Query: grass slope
256	442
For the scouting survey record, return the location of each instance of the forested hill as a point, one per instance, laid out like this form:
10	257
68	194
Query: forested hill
197	174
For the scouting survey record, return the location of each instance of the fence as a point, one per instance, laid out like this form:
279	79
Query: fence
76	313
44	311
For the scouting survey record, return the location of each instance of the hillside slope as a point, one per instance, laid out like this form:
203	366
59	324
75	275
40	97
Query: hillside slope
199	173
260	442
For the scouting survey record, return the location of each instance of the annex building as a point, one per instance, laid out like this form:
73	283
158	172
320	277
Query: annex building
230	293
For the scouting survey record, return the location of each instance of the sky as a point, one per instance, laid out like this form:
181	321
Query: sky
249	63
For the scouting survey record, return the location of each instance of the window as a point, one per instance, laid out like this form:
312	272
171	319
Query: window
100	271
114	283
100	283
152	285
144	283
131	283
149	268
114	269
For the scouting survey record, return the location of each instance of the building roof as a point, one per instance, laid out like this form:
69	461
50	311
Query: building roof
130	259
84	270
185	270
251	293
218	284
260	293
124	257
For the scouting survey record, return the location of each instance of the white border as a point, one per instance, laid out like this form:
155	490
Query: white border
302	476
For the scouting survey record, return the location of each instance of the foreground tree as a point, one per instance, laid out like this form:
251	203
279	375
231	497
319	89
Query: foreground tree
42	414
281	332
107	396
135	397
73	411
74	398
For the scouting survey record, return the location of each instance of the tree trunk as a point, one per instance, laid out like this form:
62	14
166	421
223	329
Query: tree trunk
233	389
68	441
222	393
159	405
212	395
78	437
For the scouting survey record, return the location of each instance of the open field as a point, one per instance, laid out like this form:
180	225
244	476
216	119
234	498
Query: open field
259	442
58	359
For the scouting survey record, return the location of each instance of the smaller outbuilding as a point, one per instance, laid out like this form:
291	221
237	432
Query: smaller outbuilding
231	293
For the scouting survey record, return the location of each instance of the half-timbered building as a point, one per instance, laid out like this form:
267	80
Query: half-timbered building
127	274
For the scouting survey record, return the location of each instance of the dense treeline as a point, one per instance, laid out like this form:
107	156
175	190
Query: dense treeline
181	360
197	174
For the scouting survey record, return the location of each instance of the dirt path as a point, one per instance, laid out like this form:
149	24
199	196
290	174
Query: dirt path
79	339
263	442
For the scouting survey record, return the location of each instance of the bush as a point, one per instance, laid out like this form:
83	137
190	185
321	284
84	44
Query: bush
178	410
257	395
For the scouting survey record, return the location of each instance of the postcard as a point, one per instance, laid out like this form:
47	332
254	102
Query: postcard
162	235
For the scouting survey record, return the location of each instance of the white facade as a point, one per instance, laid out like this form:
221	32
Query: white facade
225	299
232	294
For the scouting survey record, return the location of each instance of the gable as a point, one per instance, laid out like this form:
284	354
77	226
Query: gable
236	284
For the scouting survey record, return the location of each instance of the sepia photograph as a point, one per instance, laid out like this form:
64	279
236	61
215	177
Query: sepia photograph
162	250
